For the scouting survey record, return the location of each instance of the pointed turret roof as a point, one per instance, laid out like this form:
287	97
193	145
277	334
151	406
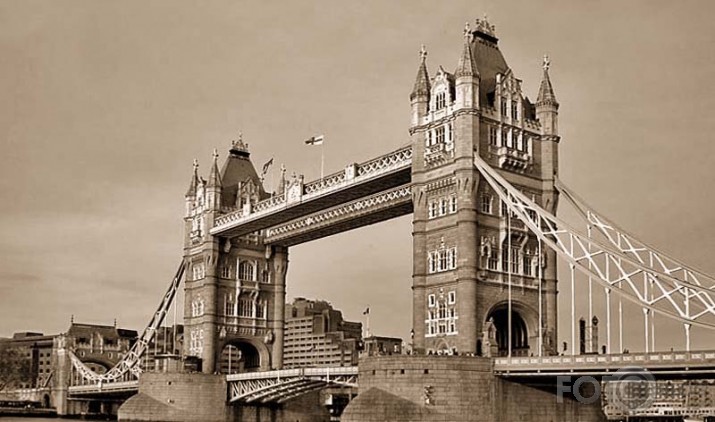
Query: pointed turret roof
191	192
467	66
215	176
237	169
422	83
546	91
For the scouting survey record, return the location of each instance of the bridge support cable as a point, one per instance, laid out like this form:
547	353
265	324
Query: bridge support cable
130	363
573	247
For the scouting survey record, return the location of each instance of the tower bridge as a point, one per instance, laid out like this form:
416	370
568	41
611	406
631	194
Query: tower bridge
480	179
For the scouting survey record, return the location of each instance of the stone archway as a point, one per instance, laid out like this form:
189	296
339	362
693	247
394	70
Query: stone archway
523	329
243	355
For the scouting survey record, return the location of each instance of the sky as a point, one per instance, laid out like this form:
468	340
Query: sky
105	104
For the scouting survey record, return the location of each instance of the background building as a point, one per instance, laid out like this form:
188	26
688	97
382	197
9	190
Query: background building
317	335
376	345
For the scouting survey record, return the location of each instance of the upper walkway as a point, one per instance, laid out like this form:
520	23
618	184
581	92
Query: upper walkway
356	181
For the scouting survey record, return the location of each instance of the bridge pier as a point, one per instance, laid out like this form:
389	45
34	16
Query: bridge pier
189	397
454	388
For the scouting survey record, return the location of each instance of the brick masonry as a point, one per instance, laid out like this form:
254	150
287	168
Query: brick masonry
451	388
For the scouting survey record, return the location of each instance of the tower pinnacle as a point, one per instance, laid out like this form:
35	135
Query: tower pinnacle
466	65
546	91
422	83
214	177
191	192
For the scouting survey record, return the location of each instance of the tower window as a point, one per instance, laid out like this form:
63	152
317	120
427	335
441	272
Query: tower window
514	110
433	209
505	138
493	135
442	206
442	260
486	204
452	296
439	135
452	204
431	300
440	101
503	106
246	271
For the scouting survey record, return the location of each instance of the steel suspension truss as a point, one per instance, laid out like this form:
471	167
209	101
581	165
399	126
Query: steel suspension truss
281	386
129	363
621	268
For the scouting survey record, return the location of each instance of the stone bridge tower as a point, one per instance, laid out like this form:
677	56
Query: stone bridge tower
235	287
466	251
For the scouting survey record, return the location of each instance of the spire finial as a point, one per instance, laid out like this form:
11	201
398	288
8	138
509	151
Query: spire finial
546	63
215	154
467	31
423	53
196	165
72	319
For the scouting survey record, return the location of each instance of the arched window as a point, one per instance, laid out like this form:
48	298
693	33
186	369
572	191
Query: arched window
246	271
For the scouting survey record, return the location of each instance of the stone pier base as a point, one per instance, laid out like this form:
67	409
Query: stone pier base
189	397
451	388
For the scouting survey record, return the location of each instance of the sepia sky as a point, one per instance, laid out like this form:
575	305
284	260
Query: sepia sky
104	105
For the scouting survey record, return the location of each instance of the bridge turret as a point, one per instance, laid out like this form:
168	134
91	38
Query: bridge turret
213	186
191	192
547	108
420	95
467	74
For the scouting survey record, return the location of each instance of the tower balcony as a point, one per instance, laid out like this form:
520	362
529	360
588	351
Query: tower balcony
513	159
438	154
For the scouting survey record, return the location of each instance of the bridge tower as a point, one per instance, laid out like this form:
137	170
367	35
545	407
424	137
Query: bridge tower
469	256
235	287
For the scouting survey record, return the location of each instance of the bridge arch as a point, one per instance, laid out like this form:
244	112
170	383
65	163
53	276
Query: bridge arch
243	354
525	321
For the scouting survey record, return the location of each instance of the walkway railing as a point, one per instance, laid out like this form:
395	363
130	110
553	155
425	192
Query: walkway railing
352	175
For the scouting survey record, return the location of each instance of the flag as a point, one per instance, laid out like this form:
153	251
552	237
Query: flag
266	166
315	140
367	311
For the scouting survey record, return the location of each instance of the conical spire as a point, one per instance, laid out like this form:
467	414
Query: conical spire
467	66
194	181
546	91
422	84
215	176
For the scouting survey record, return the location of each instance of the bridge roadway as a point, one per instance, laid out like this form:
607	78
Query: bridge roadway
671	365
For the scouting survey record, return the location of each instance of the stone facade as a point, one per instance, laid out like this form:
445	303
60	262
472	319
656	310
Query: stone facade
235	288
450	388
467	248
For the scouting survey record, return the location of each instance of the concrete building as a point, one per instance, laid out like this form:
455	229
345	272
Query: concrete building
317	335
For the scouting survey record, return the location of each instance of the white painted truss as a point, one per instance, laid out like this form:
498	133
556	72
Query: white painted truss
616	269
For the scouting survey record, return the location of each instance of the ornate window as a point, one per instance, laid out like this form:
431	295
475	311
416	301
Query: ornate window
442	260
247	270
503	106
505	138
226	271
514	109
443	319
